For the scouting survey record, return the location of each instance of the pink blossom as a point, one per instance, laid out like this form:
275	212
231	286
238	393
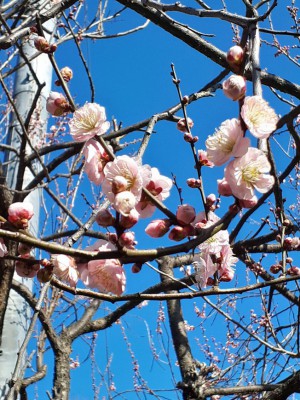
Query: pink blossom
181	124
105	218
133	177
19	214
105	275
124	203
64	267
158	228
57	104
203	159
130	220
3	248
249	172
235	55
127	239
234	87
159	186
260	118
26	269
95	160
88	121
226	142
185	214
66	73
224	188
179	233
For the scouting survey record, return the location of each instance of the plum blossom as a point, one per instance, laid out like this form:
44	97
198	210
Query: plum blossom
159	186
185	214
181	124
19	214
104	218
224	188
25	269
88	121
64	267
158	228
234	87
57	104
226	142
260	118
105	275
123	183
130	220
95	160
249	172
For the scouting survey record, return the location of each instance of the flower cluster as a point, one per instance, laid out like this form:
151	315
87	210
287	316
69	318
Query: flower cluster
215	257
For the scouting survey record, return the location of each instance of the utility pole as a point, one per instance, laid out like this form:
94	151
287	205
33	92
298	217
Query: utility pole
18	312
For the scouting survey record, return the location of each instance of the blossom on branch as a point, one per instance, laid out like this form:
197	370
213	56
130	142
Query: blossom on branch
249	172
88	121
260	118
57	104
95	160
64	267
19	214
234	87
226	142
159	186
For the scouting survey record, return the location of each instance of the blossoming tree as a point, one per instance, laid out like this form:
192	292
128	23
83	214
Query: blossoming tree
225	296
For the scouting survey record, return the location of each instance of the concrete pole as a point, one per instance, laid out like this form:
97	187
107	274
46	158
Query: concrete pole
18	313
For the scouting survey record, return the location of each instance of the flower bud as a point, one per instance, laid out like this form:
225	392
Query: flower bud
136	268
234	87
203	159
211	199
248	203
127	240
57	104
182	126
293	271
104	218
194	183
19	214
66	73
26	269
41	44
185	214
158	228
124	202
235	56
130	220
179	233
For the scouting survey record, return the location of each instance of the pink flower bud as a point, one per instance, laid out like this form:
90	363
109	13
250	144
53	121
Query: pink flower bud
224	188
194	183
211	199
235	56
185	214
130	220
234	87
57	104
66	73
181	124
203	159
179	233
119	184
127	240
19	214
105	218
158	228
